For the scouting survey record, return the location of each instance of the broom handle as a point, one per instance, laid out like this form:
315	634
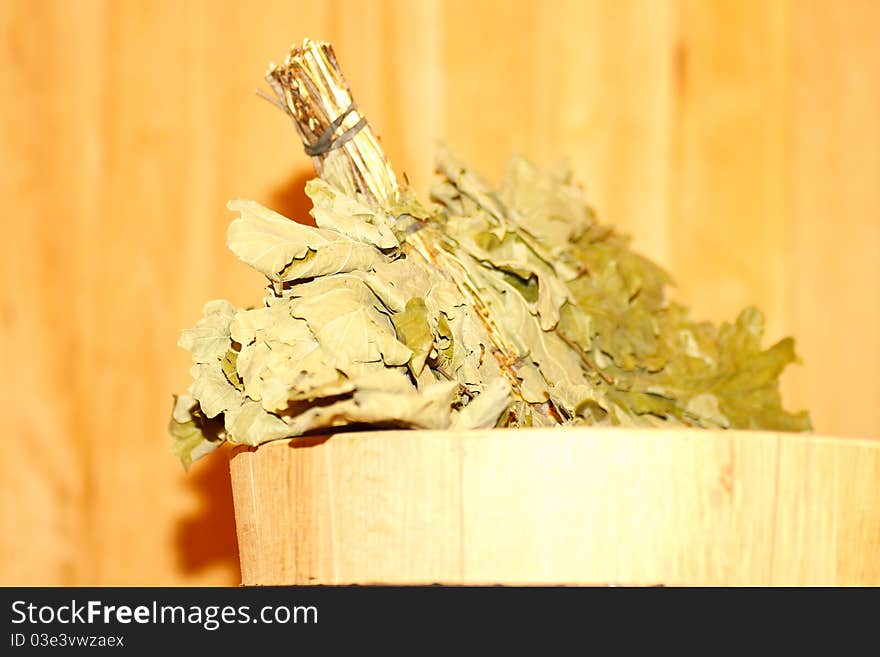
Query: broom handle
311	89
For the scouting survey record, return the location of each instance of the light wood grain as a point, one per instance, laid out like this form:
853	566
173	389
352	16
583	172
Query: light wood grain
827	512
617	507
560	506
417	480
737	141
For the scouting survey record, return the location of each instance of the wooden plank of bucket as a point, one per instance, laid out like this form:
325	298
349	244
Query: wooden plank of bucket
559	506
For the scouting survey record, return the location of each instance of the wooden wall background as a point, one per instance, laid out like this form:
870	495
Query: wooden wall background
738	141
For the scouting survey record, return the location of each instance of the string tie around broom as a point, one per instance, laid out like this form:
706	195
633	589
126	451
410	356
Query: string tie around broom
326	142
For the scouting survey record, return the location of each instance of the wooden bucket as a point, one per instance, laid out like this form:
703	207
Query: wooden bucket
560	506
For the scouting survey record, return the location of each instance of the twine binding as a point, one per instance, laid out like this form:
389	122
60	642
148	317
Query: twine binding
327	143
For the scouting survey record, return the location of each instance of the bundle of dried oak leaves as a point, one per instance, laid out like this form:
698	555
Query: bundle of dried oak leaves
486	307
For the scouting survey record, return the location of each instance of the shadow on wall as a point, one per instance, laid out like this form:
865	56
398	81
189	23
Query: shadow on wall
206	538
290	198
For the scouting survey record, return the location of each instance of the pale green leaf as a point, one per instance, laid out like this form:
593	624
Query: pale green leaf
209	339
284	250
